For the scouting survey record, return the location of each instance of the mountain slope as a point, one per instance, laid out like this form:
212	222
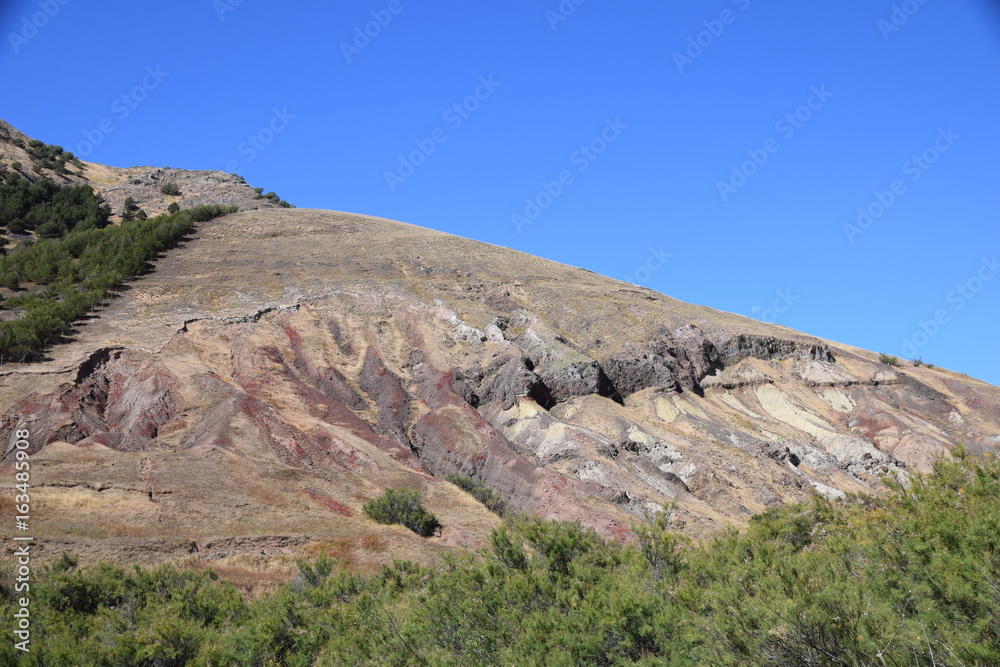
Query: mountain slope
284	366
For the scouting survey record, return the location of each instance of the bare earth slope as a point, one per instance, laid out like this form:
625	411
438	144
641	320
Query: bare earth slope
284	366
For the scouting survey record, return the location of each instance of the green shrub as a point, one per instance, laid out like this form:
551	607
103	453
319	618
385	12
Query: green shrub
888	360
174	207
402	506
78	270
906	578
493	501
26	206
170	188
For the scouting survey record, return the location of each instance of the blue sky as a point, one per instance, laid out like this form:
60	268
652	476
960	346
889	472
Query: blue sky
716	151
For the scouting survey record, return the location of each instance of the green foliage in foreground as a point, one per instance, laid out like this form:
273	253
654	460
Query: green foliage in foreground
76	272
402	506
909	579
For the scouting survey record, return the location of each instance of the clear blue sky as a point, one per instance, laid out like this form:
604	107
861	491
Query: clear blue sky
868	87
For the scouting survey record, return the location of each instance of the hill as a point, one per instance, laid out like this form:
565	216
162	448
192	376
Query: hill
243	401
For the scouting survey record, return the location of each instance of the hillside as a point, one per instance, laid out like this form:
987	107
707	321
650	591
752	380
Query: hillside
284	366
143	184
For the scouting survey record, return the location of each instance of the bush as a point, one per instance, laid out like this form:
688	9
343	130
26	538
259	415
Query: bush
78	270
129	209
174	207
493	501
888	360
26	206
402	506
170	188
906	578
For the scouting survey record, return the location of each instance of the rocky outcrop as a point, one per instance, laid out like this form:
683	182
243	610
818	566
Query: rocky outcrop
770	348
118	399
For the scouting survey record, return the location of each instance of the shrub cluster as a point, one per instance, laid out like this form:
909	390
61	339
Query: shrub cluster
47	208
912	578
51	157
402	506
272	196
73	273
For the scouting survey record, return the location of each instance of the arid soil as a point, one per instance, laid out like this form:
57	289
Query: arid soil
242	402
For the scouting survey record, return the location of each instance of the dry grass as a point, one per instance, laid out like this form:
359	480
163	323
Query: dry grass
7	504
254	575
372	542
130	530
267	495
340	548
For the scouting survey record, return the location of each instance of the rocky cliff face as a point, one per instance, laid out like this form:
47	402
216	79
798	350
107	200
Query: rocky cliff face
284	366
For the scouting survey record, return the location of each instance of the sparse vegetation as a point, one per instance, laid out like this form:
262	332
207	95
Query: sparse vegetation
493	501
402	506
888	360
272	196
50	157
72	274
906	579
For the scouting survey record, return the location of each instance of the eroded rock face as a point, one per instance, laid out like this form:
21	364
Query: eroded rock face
287	366
118	399
770	348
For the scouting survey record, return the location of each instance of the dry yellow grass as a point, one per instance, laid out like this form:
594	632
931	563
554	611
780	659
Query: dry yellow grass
7	503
